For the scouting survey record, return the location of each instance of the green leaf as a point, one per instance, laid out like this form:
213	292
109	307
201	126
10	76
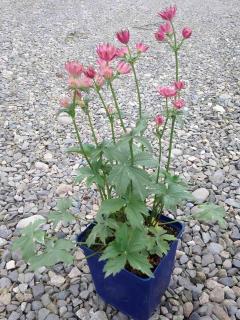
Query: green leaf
55	252
83	173
115	265
111	205
140	127
129	246
135	210
211	213
119	178
56	217
159	240
143	141
64	204
140	262
145	159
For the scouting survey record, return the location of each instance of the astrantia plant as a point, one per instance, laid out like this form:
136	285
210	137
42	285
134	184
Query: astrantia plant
135	186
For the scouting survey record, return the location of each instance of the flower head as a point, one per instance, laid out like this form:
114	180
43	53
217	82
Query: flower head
99	80
168	13
159	120
179	85
166	28
85	82
106	72
159	35
65	102
121	52
141	47
123	67
74	68
106	52
167	91
74	83
123	36
186	32
90	72
179	104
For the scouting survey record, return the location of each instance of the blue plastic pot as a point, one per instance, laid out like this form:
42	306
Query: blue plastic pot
134	296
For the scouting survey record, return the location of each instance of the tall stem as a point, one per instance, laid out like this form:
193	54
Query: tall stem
92	128
171	142
108	115
137	85
117	106
138	90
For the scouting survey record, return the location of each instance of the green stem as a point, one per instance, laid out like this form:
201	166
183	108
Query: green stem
171	142
137	84
92	128
117	106
108	115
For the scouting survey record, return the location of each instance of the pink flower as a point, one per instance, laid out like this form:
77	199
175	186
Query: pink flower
74	83
141	47
168	13
186	32
166	28
159	120
123	67
99	80
107	72
121	52
90	72
179	85
159	36
123	36
179	104
65	102
85	82
167	92
110	110
74	68
106	52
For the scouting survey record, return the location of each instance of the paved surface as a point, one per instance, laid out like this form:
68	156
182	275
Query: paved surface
36	38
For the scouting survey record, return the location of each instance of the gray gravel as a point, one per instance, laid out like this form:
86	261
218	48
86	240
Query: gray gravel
37	37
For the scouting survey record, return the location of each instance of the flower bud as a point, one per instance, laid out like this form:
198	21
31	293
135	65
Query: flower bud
179	104
123	36
186	32
141	47
167	92
159	36
65	102
159	120
90	72
179	85
123	67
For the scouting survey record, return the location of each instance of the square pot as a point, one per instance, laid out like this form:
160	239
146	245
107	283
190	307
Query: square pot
134	296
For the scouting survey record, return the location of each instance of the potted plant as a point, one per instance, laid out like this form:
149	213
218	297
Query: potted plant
131	245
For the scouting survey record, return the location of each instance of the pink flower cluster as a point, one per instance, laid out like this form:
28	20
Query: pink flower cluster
166	30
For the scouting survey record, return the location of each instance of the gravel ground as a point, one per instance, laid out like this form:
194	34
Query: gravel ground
37	37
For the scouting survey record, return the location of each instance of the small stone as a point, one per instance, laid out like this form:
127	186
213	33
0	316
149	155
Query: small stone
38	290
220	313
233	203
48	156
99	315
62	119
10	265
235	235
79	255
187	309
41	166
236	263
5	232
56	280
26	221
215	248
84	294
63	189
5	298
52	316
14	316
201	195
184	259
217	295
207	259
227	281
5	283
204	298
219	109
83	314
218	177
3	242
74	273
43	313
